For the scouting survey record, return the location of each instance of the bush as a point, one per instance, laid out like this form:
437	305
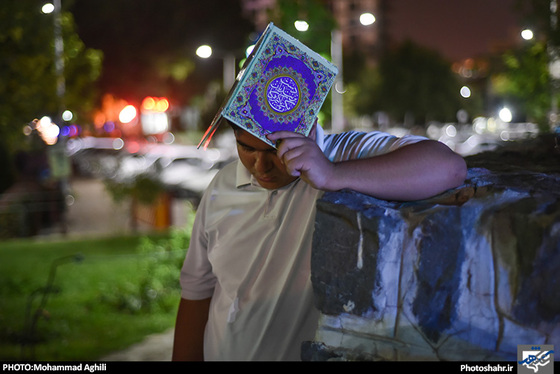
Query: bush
123	289
159	264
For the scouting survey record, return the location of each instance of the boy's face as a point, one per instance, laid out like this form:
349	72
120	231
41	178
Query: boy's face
261	161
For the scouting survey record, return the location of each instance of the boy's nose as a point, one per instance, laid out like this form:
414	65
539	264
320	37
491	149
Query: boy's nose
263	161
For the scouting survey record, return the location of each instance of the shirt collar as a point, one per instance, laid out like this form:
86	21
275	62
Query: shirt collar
244	178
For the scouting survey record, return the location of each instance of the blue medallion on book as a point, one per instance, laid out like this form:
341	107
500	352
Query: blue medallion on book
282	94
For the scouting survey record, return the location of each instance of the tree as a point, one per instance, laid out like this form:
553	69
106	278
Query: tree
525	79
315	13
537	13
410	81
527	76
27	74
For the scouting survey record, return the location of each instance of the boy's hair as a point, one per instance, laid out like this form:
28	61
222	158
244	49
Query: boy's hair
235	128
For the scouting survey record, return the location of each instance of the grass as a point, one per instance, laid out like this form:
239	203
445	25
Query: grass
107	294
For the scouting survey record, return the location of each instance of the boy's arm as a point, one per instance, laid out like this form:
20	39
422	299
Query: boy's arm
189	330
412	172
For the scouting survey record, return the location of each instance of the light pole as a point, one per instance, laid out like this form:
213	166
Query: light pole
366	19
55	8
337	109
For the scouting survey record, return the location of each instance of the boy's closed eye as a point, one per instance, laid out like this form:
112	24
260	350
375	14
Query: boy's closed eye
248	148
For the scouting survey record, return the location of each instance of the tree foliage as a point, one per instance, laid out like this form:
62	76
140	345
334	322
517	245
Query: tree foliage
27	73
525	80
28	88
315	13
538	14
526	77
410	81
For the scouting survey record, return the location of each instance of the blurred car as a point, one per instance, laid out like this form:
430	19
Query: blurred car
131	165
94	157
188	176
184	171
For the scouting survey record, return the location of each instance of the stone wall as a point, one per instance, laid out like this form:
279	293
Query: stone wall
467	275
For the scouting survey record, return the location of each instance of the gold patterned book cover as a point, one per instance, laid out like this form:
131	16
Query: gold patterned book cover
282	86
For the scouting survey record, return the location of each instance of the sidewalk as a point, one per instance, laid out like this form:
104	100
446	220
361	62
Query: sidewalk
156	347
93	211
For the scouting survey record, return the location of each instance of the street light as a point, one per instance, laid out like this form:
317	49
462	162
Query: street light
205	51
48	8
301	25
367	19
527	34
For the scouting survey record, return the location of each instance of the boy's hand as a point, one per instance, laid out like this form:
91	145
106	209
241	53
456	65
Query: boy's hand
303	158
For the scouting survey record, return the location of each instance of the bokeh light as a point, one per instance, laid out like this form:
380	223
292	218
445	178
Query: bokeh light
47	8
301	25
505	115
527	34
367	19
67	115
204	51
48	131
127	114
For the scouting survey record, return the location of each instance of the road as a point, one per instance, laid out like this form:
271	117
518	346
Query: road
93	211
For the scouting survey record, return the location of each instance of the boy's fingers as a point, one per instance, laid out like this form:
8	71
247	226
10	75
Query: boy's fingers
283	135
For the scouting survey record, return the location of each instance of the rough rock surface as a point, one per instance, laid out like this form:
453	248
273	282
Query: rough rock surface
467	275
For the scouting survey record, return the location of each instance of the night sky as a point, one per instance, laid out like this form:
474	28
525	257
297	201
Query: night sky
135	35
458	29
142	41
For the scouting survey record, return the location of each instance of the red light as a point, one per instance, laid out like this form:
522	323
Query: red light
162	105
155	104
148	103
133	146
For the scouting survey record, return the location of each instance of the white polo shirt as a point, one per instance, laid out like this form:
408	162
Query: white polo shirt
250	252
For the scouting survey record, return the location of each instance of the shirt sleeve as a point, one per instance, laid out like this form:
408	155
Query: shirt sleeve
197	280
356	144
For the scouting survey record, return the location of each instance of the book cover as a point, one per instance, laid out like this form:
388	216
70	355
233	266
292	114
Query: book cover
281	86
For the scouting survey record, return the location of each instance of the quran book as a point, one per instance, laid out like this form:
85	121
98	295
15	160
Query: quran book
281	86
